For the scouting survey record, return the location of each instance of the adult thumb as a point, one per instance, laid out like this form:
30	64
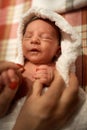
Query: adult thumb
37	88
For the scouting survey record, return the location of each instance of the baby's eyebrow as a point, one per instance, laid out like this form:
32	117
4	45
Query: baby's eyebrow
28	33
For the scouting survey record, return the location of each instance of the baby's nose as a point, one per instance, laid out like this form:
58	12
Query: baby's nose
35	40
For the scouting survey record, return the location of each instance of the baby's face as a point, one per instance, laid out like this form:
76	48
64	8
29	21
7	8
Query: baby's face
40	42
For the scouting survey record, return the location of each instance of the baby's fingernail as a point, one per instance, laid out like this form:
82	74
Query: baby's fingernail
37	69
20	65
13	85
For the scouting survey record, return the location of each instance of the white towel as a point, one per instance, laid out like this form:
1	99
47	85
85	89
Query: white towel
70	41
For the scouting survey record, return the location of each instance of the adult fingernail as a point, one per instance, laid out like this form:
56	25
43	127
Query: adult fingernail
13	85
20	65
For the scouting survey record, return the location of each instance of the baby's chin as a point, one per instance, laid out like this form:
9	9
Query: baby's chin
39	61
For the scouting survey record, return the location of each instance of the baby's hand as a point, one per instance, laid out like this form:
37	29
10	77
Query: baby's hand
45	74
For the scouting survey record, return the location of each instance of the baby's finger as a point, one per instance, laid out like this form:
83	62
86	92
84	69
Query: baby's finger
56	88
47	71
40	74
42	67
43	78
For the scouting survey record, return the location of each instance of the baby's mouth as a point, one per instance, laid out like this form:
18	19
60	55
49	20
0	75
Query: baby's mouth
34	50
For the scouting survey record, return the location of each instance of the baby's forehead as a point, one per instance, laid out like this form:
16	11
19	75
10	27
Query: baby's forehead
43	20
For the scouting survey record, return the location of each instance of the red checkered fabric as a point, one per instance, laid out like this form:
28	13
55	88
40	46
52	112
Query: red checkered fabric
10	13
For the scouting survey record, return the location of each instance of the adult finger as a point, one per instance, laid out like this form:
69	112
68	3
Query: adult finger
70	94
4	77
6	65
6	97
9	92
1	84
72	90
10	87
12	75
37	88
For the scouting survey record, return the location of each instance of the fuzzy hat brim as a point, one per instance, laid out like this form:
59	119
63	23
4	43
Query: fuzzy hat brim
70	40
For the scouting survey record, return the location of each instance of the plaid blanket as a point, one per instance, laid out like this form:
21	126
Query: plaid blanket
60	6
10	13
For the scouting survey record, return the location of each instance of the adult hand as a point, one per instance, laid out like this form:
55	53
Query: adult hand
4	65
49	110
8	85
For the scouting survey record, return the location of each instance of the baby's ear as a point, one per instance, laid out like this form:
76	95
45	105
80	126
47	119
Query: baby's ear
58	52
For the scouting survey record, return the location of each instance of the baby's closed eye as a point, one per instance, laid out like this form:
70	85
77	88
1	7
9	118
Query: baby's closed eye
28	36
46	37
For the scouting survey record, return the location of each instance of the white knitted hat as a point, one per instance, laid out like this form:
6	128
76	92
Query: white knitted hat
70	41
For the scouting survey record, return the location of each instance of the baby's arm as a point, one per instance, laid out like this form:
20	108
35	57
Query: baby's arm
45	74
